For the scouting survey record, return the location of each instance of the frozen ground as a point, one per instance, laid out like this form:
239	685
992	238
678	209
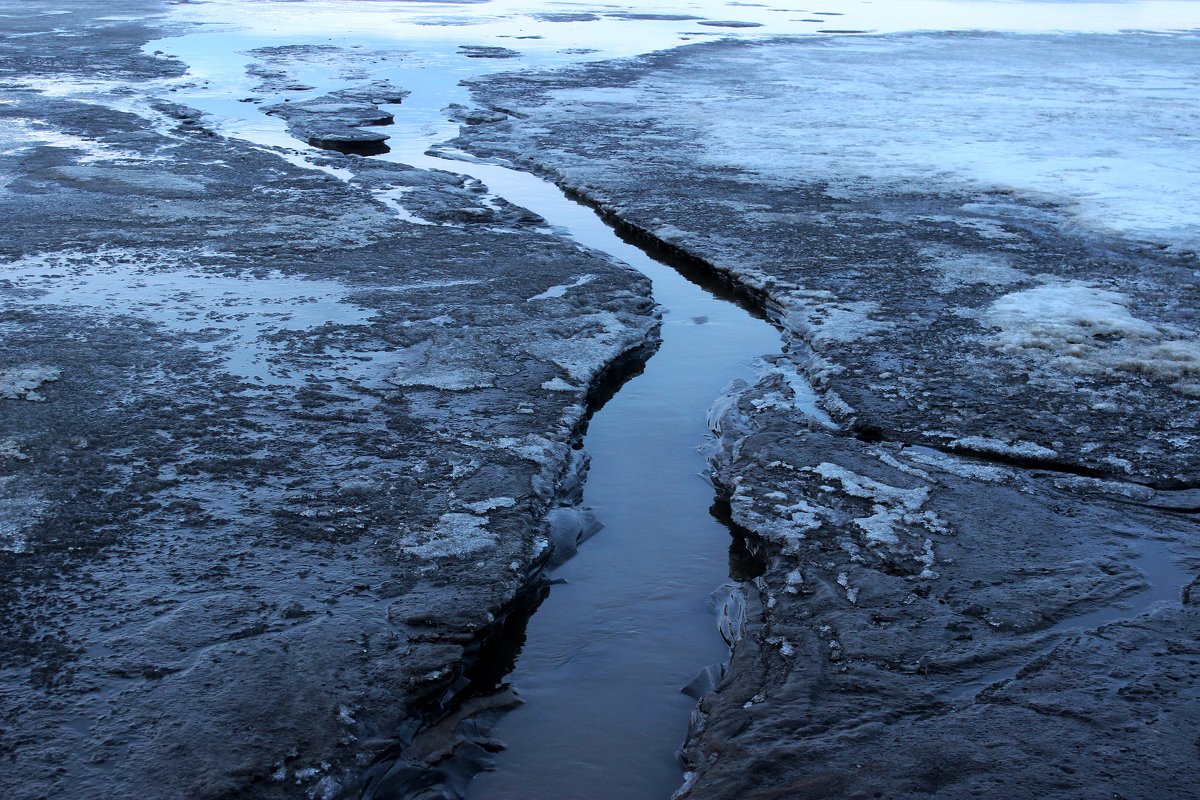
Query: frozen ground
272	459
979	247
284	426
1009	214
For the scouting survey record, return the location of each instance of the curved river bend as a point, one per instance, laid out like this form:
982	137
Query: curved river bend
629	622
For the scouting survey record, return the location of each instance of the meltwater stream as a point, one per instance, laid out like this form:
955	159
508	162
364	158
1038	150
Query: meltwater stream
607	654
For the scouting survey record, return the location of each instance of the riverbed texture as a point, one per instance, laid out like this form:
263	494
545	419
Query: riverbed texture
274	458
979	579
290	412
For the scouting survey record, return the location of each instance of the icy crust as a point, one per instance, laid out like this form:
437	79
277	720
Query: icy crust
23	383
1019	626
919	581
246	451
951	101
932	306
1089	330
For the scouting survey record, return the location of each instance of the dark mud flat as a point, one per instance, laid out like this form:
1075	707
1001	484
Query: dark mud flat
273	461
981	582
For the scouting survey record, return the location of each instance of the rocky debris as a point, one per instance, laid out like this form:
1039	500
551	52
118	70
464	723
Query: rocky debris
729	23
250	542
487	51
474	116
640	15
963	566
22	383
566	16
335	121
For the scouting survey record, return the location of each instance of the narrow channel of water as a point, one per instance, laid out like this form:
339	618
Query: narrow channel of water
606	656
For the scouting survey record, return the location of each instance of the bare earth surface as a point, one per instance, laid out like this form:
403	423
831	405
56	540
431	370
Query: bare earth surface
276	449
272	460
975	584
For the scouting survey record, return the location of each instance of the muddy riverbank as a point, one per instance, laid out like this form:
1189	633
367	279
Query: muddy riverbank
977	582
281	427
275	459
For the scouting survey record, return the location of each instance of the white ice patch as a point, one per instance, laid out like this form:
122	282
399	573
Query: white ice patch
801	395
11	448
532	448
456	535
927	560
559	385
597	339
1018	447
427	364
88	151
786	526
851	591
392	199
1088	330
1059	317
956	466
559	291
891	505
484	506
794	580
21	383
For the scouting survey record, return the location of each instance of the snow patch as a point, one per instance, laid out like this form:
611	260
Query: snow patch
786	527
559	291
21	383
456	535
484	506
891	505
1091	331
1018	447
559	385
1063	318
956	466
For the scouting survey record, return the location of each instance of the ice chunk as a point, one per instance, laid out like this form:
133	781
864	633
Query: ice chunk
456	535
484	506
1018	447
559	291
21	383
